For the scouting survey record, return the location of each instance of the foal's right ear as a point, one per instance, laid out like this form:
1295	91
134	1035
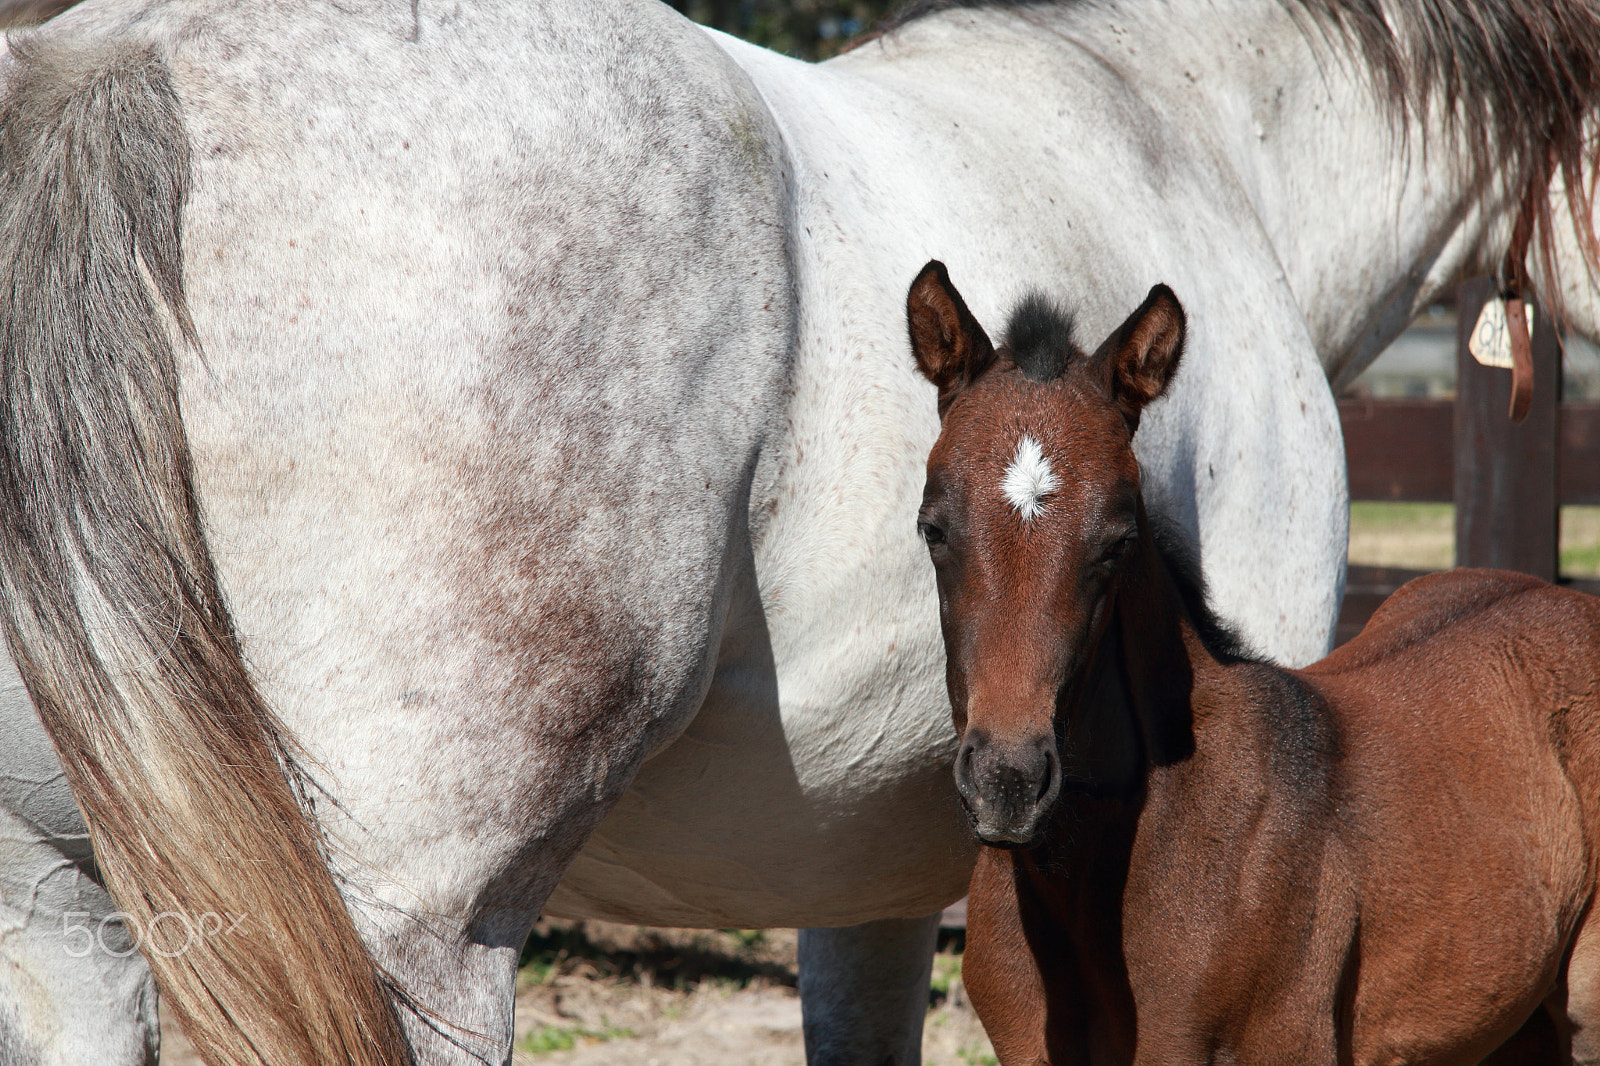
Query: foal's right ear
951	348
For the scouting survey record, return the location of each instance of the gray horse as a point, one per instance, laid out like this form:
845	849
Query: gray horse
460	461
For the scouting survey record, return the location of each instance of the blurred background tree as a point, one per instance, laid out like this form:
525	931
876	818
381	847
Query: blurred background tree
809	29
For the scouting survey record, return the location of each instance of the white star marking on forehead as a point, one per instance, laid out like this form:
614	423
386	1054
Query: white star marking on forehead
1029	479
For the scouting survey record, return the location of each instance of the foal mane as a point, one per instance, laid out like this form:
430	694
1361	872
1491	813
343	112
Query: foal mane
1516	78
1183	566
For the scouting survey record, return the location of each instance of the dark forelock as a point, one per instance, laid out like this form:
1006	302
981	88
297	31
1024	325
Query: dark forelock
1039	335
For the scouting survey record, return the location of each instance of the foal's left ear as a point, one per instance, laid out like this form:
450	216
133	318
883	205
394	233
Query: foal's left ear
951	348
1141	357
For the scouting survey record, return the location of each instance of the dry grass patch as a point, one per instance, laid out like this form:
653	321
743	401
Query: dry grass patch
1414	536
1421	536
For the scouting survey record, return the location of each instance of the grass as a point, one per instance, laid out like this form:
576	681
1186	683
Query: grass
731	957
748	937
1421	536
547	1038
1416	536
1581	561
946	972
1580	541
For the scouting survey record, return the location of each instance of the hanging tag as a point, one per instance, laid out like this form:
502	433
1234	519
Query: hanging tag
1490	343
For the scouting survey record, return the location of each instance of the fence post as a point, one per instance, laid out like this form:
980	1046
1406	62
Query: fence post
1507	477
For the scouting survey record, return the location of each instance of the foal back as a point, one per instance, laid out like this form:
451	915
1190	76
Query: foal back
1468	722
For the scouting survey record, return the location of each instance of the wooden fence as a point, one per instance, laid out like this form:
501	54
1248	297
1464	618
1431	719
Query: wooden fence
1507	482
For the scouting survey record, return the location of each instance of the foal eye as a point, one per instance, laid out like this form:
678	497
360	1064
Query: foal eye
930	533
1118	549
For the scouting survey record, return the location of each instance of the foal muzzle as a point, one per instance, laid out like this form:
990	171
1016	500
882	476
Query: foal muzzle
1008	788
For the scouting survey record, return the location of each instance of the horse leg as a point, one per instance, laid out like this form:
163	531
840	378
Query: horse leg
73	987
1002	975
1582	1014
864	991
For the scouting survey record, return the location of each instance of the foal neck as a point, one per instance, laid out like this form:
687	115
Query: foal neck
1135	709
1169	679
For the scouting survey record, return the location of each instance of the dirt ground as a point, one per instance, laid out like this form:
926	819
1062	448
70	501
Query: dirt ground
596	994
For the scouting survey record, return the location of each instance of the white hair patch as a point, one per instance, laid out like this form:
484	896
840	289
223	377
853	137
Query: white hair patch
1029	479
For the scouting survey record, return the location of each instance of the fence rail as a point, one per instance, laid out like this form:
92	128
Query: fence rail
1405	450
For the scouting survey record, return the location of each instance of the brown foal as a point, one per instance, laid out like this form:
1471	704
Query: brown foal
1196	857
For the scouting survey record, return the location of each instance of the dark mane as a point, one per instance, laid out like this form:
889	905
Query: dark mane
1183	565
1039	335
1517	77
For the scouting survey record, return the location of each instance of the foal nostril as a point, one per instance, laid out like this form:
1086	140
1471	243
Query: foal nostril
1052	773
964	780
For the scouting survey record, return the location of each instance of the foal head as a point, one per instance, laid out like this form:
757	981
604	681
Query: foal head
1033	519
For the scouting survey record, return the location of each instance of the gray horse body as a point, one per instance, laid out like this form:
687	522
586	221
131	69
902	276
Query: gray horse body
558	444
958	190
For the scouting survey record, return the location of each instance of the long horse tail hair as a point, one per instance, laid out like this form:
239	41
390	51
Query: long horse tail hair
112	607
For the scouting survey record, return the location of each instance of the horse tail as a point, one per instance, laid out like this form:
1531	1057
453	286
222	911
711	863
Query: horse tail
112	606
